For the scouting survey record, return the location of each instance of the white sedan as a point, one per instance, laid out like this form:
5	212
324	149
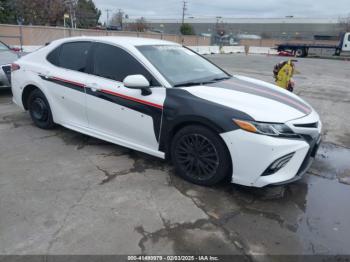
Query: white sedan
165	100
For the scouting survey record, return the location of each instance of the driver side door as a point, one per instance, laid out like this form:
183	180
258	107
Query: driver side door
120	114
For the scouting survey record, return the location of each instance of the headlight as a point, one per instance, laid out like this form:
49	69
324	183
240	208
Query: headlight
268	129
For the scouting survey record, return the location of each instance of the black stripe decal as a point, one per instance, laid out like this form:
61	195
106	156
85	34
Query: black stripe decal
154	112
181	107
73	85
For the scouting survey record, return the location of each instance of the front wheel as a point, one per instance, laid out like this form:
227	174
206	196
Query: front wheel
40	110
200	156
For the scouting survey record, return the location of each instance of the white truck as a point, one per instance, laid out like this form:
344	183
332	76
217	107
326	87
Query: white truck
302	50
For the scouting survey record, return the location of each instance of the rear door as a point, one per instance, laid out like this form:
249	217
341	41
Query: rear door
66	80
131	118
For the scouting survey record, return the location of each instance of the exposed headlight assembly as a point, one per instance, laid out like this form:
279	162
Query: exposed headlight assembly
269	129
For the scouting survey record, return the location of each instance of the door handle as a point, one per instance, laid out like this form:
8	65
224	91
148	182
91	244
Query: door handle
47	75
94	87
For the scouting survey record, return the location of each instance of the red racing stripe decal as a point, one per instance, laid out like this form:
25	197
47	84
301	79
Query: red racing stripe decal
133	99
68	81
111	93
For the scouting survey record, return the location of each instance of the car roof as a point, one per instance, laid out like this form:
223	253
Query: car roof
120	40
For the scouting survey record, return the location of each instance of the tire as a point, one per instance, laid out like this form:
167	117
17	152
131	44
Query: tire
40	110
337	52
301	52
200	156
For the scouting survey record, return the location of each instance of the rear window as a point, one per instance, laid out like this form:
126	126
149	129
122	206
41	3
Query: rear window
54	56
72	55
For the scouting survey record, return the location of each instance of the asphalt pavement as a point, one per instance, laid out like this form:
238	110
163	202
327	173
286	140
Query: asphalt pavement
62	192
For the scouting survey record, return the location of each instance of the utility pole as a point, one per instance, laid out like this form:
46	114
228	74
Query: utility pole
70	5
107	10
184	9
75	19
120	18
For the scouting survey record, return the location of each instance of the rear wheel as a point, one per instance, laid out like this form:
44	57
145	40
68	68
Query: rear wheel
40	110
301	52
200	156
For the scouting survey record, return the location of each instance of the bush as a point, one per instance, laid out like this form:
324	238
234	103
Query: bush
187	29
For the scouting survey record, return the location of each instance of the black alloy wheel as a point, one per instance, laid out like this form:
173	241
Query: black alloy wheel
197	156
200	156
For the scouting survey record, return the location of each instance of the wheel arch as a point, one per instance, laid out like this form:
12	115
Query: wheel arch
26	92
202	122
169	131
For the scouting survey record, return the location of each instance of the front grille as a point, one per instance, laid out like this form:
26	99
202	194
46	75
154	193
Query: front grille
311	153
310	125
7	71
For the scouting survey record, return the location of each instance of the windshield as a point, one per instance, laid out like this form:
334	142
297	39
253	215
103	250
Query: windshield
181	66
3	47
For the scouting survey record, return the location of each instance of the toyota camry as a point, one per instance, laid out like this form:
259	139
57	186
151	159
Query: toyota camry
165	100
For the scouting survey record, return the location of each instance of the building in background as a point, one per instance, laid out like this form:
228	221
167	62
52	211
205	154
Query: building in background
253	28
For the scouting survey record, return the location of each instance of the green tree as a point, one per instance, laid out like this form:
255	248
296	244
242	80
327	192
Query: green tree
34	12
87	14
48	12
187	29
7	12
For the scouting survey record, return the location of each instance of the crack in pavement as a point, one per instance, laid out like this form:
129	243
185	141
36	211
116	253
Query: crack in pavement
169	230
12	120
55	235
233	237
111	176
140	165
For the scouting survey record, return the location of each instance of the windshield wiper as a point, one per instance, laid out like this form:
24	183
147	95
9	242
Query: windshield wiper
221	78
189	84
199	83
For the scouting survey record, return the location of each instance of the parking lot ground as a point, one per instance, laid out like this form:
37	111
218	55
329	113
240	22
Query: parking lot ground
62	192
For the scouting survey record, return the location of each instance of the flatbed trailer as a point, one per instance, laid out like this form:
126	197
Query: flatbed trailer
302	50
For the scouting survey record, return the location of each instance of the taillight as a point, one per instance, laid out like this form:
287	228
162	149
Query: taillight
15	67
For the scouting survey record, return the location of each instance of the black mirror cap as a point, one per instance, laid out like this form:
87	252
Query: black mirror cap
146	91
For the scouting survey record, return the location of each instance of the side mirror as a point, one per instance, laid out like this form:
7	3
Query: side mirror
138	82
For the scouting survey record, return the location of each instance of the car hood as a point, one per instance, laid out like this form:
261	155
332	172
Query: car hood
262	101
7	57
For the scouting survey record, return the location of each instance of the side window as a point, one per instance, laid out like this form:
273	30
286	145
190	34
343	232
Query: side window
74	55
349	37
53	56
115	63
